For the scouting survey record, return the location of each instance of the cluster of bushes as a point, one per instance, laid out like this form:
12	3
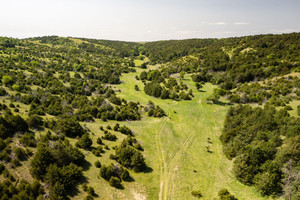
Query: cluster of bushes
86	110
129	157
59	93
12	156
114	174
170	90
109	136
3	92
90	192
262	143
84	142
277	92
58	165
24	190
97	151
217	93
67	126
5	149
224	194
154	111
123	129
11	124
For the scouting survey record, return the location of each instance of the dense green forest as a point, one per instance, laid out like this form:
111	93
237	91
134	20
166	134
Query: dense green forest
52	86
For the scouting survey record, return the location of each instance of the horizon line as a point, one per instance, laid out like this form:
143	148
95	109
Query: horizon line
145	41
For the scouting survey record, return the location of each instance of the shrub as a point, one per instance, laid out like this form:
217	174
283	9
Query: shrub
69	127
225	195
97	151
91	191
99	141
3	92
34	121
196	193
20	153
114	182
85	142
28	140
97	164
110	137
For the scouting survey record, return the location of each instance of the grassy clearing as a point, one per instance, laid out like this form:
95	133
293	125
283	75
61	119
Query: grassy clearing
138	62
294	105
174	149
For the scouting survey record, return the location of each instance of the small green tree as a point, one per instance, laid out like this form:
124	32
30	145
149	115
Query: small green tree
225	195
198	86
196	193
85	142
7	80
114	182
136	87
97	164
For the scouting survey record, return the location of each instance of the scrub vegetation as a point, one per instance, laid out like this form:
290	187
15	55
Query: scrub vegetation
183	119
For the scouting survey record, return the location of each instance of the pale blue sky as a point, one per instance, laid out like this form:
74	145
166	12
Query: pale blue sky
148	20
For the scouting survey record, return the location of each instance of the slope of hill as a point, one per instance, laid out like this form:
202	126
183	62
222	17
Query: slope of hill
99	119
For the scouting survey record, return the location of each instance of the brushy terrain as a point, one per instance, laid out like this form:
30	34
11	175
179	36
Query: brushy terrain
97	119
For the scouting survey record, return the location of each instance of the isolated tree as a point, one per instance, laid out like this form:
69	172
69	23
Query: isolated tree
198	85
224	194
85	141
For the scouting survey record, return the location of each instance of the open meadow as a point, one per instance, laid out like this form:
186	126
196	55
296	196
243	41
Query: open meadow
176	149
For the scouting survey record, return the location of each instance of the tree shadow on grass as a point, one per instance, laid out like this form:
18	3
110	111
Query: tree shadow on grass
129	179
85	165
147	170
75	188
223	103
120	187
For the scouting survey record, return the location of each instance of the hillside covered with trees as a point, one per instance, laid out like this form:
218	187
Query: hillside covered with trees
64	103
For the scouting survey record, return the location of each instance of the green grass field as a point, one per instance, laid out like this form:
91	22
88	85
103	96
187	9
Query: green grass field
175	150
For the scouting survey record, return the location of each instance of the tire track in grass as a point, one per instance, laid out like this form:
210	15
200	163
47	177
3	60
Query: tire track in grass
163	164
161	156
188	141
174	160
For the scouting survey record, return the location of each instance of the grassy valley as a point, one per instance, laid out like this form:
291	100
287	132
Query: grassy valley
99	119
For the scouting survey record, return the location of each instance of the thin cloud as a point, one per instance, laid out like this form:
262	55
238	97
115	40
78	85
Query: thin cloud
241	23
218	23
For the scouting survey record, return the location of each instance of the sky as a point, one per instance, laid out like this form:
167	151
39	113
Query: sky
148	20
